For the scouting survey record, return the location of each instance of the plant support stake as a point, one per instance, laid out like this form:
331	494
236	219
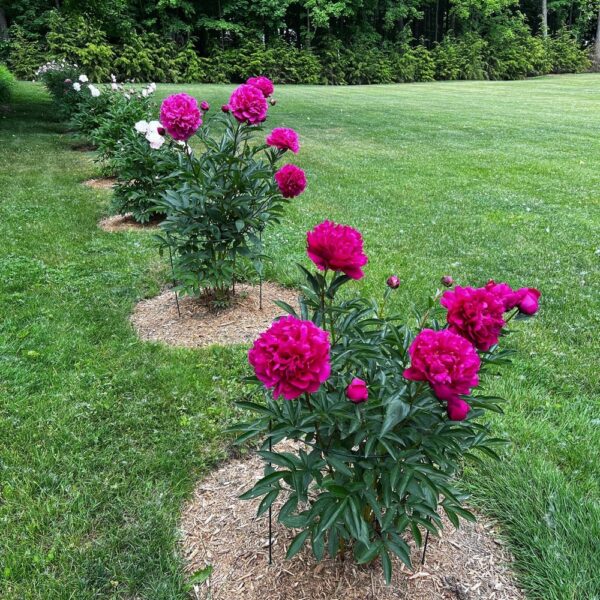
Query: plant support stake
174	282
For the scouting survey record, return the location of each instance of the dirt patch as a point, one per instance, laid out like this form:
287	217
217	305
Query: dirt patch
221	530
125	223
83	147
102	183
157	319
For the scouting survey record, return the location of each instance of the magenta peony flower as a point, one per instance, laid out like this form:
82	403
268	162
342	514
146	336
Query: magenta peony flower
357	391
449	363
291	181
447	281
336	247
264	84
180	116
292	357
476	314
284	139
204	105
503	292
393	281
528	300
248	104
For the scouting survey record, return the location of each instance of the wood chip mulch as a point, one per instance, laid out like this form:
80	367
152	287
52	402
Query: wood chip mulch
221	530
126	222
101	183
157	319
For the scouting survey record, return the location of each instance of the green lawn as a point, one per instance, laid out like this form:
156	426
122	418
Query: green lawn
103	436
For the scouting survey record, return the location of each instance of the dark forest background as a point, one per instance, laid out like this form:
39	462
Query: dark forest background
301	41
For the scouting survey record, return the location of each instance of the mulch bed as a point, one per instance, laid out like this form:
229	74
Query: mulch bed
157	319
101	183
221	530
125	223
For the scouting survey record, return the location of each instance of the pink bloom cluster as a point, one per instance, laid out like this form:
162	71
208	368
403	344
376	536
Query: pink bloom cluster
180	116
291	181
478	313
248	105
292	357
337	248
475	313
264	84
284	139
449	363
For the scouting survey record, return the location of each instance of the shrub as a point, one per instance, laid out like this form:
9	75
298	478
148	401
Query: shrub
25	53
460	58
90	110
148	57
81	42
58	77
565	55
124	108
7	81
223	198
381	412
142	175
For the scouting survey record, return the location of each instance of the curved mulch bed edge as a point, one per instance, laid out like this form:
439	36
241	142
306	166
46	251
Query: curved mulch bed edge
101	183
221	530
124	223
157	319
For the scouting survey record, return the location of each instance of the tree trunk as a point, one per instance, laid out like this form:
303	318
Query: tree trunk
597	47
545	18
3	25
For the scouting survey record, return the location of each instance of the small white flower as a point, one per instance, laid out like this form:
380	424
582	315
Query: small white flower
77	86
94	91
83	78
127	96
114	86
113	78
152	88
141	126
144	93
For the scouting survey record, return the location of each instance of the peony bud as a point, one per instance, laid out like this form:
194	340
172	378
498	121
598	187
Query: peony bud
458	409
225	108
272	102
161	131
528	300
204	105
357	391
447	281
68	82
393	281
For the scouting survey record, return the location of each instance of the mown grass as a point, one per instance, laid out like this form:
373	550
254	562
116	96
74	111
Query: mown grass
102	436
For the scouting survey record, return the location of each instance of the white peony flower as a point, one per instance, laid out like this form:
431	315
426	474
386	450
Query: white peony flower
113	78
141	126
94	91
77	86
144	93
114	87
154	135
83	78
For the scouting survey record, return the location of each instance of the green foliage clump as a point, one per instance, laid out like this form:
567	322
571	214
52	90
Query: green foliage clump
148	57
219	202
7	81
123	109
25	53
58	77
81	42
460	58
142	175
565	54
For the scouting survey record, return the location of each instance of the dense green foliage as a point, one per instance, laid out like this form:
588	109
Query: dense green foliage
7	81
300	41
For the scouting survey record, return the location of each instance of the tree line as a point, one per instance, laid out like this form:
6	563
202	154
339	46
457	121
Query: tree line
323	28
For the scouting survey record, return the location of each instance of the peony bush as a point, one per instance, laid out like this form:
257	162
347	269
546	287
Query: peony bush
226	189
383	412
